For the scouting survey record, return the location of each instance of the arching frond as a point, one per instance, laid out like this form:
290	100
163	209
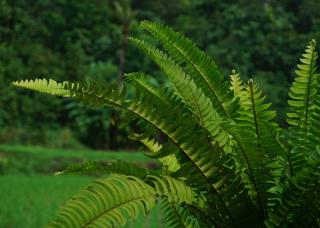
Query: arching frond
302	104
107	202
200	66
199	103
257	152
179	130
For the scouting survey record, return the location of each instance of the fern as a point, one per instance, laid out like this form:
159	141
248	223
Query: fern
178	216
225	161
201	67
303	104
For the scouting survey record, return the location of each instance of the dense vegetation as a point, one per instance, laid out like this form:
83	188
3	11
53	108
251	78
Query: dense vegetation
76	40
226	162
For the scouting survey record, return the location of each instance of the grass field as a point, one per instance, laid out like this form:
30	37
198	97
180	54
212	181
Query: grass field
17	159
30	196
32	201
64	153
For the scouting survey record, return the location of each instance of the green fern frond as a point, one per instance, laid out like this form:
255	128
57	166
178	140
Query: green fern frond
175	190
164	153
294	208
200	105
177	216
94	168
108	202
200	66
140	80
302	104
179	129
44	86
184	85
257	146
90	93
237	86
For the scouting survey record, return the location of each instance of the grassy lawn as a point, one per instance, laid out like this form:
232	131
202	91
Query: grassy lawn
30	196
32	201
64	153
30	160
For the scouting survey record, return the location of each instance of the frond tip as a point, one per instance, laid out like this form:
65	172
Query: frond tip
44	86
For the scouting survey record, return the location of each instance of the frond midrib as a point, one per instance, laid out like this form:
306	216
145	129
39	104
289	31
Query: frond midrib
257	129
308	91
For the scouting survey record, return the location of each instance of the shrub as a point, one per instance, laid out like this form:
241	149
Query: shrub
226	162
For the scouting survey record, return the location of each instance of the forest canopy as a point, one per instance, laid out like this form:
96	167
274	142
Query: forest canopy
76	40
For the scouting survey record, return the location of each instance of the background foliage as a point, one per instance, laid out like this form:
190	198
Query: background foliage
73	40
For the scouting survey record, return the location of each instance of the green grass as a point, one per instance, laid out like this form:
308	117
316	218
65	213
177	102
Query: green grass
65	153
31	160
30	197
32	201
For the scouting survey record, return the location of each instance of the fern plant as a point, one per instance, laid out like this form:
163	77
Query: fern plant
225	161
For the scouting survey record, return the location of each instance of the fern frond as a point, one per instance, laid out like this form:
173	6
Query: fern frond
140	80
175	190
118	167
302	105
200	66
200	105
294	208
177	216
178	129
108	202
165	153
237	86
184	85
257	146
44	86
